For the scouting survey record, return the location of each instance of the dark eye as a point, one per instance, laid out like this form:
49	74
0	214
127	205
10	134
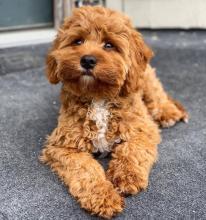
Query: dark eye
108	45
78	42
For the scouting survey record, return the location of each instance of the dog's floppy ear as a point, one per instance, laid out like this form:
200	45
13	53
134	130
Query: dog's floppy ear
140	55
51	64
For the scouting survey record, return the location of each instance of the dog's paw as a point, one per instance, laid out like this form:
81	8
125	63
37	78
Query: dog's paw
103	201
127	180
170	113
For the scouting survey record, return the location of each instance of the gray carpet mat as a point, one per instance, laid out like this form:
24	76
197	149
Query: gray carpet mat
177	189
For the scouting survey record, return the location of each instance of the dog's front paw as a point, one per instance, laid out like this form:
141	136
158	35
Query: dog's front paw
170	113
103	200
127	179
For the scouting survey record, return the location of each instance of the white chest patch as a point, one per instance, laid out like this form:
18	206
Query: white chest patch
99	114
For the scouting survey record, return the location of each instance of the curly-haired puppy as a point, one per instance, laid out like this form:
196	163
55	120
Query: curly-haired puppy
111	101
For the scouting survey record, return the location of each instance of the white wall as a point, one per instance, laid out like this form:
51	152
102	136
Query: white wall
163	13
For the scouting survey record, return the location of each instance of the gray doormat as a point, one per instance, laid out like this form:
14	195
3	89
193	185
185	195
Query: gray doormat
28	112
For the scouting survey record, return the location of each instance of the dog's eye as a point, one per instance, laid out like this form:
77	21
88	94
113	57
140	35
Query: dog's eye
108	45
78	42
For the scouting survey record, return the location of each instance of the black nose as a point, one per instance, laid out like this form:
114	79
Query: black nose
88	61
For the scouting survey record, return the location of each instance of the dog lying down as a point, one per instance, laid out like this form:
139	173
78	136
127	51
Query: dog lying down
111	101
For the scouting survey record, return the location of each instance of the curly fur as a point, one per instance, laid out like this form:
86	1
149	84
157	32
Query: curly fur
118	108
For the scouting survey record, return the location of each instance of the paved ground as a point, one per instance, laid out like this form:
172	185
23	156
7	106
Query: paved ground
28	112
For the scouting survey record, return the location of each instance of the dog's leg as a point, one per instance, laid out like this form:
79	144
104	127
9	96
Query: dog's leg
164	110
132	159
86	180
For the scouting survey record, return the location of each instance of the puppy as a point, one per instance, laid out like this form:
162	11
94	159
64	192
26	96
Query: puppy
111	101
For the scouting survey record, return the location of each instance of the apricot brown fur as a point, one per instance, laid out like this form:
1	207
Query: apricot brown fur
116	107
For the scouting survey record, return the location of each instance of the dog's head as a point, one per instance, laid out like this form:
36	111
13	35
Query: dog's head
97	52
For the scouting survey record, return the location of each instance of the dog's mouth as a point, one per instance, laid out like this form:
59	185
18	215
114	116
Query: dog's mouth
90	77
87	77
88	73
